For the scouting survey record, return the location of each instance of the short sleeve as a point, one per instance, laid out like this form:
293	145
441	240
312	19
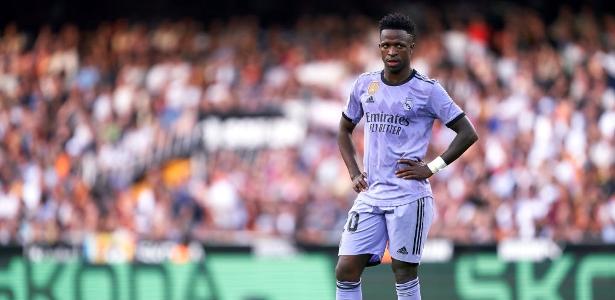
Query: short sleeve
353	111
443	107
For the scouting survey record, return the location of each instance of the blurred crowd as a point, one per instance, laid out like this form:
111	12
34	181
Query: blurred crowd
78	107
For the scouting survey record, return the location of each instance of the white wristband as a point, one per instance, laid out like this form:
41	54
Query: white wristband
436	165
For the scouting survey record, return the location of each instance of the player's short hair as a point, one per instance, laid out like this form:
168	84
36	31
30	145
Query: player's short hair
398	21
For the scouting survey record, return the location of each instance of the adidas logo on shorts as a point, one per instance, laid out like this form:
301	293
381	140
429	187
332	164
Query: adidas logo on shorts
402	250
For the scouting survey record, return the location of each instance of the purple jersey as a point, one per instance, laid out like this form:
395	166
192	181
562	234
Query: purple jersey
398	123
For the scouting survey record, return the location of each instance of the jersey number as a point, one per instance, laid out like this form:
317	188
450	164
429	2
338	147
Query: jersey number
353	221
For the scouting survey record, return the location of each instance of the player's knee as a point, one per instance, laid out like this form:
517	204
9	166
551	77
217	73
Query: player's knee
404	272
347	271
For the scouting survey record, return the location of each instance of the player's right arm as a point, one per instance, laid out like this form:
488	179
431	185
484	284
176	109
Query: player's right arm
349	154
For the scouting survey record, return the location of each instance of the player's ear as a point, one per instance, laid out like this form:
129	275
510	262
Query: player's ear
412	45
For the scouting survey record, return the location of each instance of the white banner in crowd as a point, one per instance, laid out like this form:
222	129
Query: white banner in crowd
252	132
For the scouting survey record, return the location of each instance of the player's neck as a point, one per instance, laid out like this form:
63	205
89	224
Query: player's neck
397	78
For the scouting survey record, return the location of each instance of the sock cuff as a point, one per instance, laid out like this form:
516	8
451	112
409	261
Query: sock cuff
348	285
407	288
410	283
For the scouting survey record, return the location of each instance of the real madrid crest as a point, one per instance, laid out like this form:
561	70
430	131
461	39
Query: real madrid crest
408	103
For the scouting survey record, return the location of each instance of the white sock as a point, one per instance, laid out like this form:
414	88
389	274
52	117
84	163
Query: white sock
410	290
348	290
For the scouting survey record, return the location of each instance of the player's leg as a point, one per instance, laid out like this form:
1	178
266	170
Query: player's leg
407	281
404	271
363	243
408	226
348	276
350	267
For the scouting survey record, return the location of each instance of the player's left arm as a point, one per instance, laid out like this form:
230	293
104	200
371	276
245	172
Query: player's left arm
466	136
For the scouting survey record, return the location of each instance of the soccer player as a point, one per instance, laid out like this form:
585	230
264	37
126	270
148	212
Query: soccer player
394	203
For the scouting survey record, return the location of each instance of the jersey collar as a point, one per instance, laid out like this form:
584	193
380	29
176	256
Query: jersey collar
412	73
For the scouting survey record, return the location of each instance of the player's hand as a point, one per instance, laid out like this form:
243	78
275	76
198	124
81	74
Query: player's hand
359	184
416	170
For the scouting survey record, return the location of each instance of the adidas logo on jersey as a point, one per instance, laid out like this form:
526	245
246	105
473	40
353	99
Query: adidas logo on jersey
370	99
402	250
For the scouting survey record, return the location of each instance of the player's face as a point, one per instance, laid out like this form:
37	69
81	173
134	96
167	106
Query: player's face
396	47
